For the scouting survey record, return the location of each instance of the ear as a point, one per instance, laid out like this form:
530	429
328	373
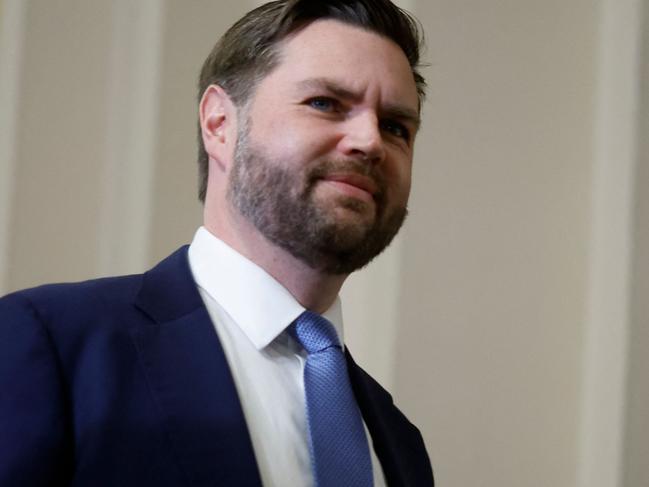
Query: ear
218	119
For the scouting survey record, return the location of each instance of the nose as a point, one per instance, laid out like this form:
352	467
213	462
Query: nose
362	138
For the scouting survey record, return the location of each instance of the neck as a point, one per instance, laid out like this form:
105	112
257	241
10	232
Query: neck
313	289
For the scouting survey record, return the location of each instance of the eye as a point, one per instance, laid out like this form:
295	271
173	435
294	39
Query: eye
323	104
395	128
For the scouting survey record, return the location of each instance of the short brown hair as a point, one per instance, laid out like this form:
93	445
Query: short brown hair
247	52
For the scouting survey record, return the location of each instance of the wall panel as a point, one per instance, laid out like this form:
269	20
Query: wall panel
496	254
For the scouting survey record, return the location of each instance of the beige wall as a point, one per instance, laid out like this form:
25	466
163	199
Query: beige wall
495	259
495	313
59	145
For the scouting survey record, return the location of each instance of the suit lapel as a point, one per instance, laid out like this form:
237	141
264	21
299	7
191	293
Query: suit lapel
190	379
397	442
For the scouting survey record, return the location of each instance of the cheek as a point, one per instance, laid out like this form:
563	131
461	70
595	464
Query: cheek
287	131
403	192
399	177
301	145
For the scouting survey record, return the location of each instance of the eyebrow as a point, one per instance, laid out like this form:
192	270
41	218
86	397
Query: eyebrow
392	110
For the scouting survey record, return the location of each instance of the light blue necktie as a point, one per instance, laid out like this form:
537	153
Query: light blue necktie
340	455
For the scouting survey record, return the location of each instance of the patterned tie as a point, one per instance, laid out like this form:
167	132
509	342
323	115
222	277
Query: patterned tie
340	455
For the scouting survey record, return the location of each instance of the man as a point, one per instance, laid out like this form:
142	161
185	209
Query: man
223	364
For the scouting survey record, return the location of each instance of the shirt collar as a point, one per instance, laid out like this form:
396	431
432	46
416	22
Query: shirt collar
256	302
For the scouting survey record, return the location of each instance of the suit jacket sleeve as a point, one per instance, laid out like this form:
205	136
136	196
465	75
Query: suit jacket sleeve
34	449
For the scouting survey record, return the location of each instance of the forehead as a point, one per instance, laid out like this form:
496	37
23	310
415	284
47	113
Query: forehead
356	58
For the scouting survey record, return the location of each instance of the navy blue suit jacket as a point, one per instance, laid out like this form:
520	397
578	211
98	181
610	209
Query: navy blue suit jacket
123	382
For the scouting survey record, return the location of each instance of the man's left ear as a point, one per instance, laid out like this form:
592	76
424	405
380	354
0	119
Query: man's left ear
217	115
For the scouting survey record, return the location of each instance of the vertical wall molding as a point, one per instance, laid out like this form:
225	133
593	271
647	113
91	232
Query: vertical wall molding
11	47
133	101
608	320
636	439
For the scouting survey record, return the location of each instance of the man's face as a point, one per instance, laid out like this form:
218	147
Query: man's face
323	159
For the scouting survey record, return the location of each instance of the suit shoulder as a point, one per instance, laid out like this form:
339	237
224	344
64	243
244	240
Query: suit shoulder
93	288
67	299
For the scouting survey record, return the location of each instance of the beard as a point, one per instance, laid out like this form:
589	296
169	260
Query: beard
280	203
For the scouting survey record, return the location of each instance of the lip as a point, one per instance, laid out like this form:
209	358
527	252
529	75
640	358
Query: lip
353	183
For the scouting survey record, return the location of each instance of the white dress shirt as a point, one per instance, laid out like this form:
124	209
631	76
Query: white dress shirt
251	311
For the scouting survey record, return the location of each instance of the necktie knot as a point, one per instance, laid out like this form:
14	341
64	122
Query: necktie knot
314	332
